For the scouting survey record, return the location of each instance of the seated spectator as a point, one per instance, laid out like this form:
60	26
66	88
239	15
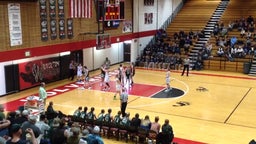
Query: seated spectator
24	117
136	120
16	133
167	130
51	113
220	51
145	123
60	133
95	138
42	124
74	138
30	124
242	33
155	126
2	115
83	138
4	125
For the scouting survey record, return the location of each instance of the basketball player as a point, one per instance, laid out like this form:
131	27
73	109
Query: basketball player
86	77
133	72
106	80
79	73
167	80
128	72
118	86
102	75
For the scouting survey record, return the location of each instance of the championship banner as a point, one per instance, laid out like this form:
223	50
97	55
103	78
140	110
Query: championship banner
33	72
43	9
62	34
52	8
61	8
14	24
70	28
53	28
43	20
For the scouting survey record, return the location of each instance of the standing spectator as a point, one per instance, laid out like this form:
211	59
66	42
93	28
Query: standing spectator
72	68
123	100
42	93
186	62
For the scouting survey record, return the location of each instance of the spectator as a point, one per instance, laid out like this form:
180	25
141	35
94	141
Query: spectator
167	130
30	124
145	123
16	133
94	137
155	126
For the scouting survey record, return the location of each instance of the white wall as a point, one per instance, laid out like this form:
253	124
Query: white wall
162	9
93	58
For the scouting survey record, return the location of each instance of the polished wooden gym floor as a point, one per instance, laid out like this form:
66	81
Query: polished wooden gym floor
217	107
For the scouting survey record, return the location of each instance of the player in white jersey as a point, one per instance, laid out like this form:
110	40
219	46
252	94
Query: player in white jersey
167	80
118	86
79	73
86	77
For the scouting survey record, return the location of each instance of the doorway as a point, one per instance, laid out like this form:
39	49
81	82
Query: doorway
127	52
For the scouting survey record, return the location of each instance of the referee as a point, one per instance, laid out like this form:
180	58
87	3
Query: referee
123	101
185	65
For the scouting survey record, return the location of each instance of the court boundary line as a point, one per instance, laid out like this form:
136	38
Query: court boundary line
237	105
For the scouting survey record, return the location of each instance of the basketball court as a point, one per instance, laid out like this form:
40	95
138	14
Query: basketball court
207	106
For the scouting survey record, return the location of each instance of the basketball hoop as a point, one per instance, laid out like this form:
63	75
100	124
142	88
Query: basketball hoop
103	41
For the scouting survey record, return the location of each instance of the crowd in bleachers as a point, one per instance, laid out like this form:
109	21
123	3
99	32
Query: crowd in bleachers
84	126
167	51
233	45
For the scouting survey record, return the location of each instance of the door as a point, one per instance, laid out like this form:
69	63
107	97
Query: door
127	52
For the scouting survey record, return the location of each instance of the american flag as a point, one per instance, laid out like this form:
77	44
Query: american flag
80	8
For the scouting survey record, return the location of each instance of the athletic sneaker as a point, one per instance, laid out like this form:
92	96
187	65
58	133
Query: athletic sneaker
167	90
